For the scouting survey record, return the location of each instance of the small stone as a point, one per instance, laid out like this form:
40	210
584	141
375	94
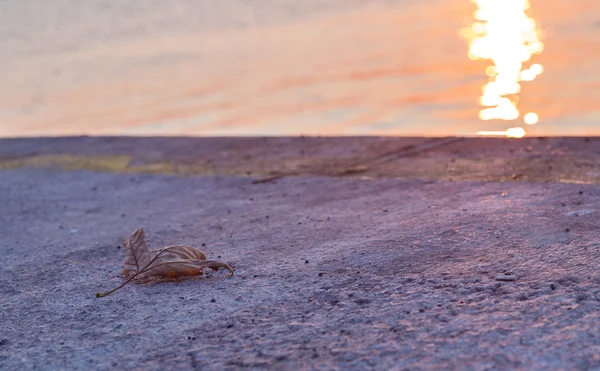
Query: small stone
506	278
552	286
213	300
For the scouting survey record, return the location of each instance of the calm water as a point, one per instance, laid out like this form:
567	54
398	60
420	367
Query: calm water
279	67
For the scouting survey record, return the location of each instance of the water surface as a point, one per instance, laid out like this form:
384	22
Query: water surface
279	67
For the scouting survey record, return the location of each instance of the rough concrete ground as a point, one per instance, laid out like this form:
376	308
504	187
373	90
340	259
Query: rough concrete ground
353	271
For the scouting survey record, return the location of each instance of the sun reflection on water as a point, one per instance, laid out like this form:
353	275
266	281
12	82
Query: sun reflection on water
509	133
504	34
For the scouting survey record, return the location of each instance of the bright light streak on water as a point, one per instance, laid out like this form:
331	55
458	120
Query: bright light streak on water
504	34
509	133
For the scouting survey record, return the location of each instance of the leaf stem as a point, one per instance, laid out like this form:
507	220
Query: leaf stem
103	294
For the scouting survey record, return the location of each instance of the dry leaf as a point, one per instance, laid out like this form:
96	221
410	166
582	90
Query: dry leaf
171	261
137	256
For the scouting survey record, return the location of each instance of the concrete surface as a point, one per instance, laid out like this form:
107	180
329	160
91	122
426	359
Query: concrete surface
350	253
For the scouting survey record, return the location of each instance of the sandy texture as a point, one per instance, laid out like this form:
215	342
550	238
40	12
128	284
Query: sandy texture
332	272
564	160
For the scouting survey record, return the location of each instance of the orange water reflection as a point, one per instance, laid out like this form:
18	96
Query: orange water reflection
506	35
375	70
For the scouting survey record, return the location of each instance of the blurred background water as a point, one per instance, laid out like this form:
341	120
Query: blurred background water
280	67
